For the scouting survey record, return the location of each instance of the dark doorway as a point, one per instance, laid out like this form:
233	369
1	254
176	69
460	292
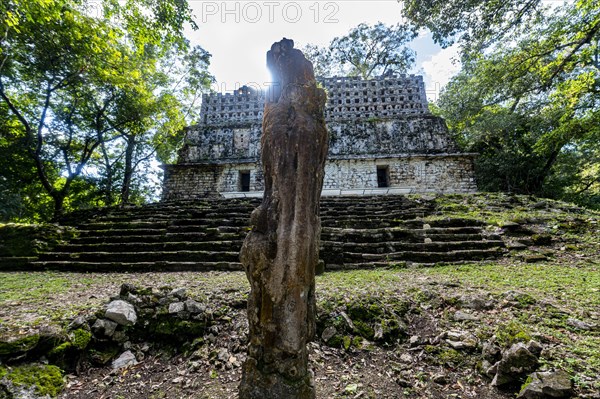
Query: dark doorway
383	176
245	181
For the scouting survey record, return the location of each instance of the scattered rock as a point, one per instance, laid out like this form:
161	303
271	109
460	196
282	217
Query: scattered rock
461	340
535	347
121	312
406	358
414	340
476	302
194	307
179	293
328	333
491	351
440	379
534	258
126	359
428	240
464	316
16	346
126	289
580	325
517	246
544	385
78	322
519	299
120	337
104	327
489	369
176	307
347	320
516	362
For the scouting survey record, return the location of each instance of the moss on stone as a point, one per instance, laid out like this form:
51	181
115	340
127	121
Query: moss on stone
103	356
346	342
46	379
528	381
60	350
511	333
450	357
81	338
21	345
364	329
174	327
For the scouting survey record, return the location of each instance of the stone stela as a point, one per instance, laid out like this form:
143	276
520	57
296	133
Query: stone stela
281	252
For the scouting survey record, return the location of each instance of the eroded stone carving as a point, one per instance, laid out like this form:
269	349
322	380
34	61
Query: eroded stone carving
281	252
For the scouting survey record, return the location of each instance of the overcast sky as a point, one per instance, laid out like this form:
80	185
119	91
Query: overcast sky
239	33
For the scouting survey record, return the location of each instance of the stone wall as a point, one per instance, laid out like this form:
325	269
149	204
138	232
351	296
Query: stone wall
425	134
348	98
444	173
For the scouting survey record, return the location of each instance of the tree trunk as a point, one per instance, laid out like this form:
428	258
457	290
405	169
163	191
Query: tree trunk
128	172
280	254
59	200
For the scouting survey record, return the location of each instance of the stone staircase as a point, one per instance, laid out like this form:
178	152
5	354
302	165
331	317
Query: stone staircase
382	231
357	232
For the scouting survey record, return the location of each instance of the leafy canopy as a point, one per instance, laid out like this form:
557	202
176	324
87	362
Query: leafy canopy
366	51
530	106
91	94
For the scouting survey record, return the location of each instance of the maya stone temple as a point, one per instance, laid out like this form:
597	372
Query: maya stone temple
383	140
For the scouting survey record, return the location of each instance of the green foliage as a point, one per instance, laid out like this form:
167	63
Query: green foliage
366	51
475	24
529	107
86	100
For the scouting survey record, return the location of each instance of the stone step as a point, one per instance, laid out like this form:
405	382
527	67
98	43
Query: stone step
363	265
188	214
16	263
151	246
380	234
212	234
153	256
329	247
387	212
117	239
122	232
421	257
204	235
124	267
204	228
215	206
144	225
211	222
455	222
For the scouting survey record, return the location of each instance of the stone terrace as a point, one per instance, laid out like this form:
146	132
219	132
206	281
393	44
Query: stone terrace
357	232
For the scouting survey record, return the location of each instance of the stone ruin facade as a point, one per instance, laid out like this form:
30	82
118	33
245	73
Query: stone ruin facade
383	140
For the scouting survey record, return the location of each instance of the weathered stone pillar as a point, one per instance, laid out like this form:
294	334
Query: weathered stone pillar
282	250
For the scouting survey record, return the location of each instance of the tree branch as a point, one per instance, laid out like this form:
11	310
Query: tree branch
580	43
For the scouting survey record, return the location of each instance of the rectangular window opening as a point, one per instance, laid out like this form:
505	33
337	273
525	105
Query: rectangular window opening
383	176
245	181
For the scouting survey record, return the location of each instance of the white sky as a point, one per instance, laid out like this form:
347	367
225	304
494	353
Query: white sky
239	33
